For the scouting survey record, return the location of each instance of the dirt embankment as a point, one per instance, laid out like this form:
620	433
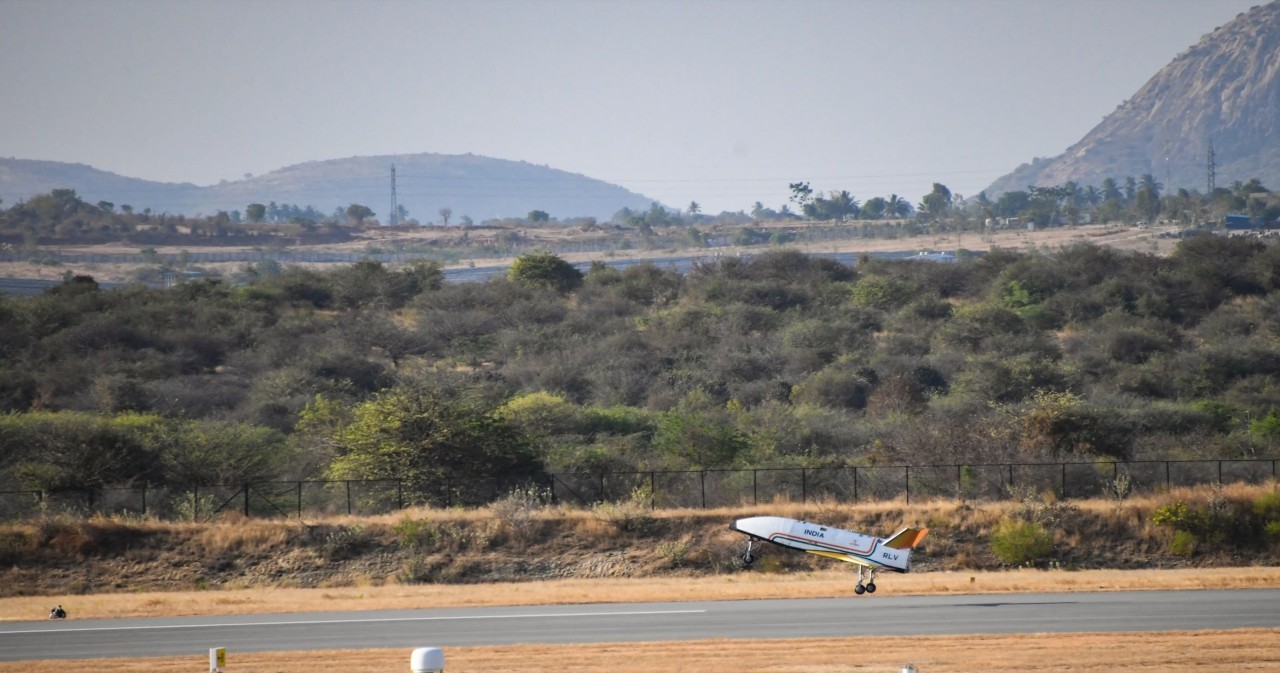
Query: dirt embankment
64	556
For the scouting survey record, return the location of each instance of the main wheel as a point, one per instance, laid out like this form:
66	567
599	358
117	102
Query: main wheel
859	590
871	588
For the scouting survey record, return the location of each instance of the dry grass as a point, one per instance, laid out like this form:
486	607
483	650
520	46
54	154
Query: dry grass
837	581
1166	652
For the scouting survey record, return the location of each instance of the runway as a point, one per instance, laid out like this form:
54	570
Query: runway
635	622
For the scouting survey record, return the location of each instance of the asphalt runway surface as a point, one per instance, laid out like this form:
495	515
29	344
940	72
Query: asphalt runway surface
636	622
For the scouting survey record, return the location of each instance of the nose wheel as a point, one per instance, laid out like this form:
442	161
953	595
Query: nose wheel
747	557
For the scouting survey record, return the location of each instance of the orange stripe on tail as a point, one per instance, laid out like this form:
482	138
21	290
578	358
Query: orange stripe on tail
907	538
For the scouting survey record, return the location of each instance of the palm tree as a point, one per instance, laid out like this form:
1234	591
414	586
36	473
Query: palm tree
842	204
1147	197
1092	195
896	206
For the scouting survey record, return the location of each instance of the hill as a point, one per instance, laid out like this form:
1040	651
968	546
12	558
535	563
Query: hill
468	185
1224	90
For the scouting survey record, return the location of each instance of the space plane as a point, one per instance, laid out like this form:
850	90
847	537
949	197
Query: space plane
870	553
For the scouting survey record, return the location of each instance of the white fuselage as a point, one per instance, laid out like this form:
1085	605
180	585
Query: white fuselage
846	545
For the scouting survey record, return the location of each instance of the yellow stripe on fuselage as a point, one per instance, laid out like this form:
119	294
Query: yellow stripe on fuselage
844	557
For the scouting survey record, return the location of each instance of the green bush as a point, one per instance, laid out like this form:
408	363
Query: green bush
1020	542
1271	532
1183	544
1267	506
1179	516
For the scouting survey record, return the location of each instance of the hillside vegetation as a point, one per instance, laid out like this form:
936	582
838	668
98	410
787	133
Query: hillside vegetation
777	360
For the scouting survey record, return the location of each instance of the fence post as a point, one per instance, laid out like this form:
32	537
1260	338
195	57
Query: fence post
959	482
195	503
907	482
246	499
804	485
1010	475
1064	481
702	478
1168	482
348	496
653	493
299	499
755	491
399	494
855	484
1219	472
144	501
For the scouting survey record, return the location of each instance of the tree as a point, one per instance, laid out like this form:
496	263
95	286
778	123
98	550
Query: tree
539	216
936	203
1147	198
896	206
429	437
445	214
543	269
256	212
836	206
694	208
801	193
874	208
357	213
1111	191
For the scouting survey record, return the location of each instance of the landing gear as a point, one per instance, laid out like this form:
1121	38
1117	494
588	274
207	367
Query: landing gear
870	586
748	558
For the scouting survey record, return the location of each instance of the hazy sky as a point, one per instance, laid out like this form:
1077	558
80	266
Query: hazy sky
722	102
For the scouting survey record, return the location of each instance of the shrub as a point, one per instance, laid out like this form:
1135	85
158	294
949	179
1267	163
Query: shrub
1271	532
674	552
517	508
344	541
632	515
1020	542
1183	544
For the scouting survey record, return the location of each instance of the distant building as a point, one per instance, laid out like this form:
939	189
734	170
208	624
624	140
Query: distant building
1238	221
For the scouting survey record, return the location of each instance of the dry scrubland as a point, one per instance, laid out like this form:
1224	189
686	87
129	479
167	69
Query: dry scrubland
419	558
1177	652
1116	236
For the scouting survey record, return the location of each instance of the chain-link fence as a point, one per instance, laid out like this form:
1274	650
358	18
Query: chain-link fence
657	489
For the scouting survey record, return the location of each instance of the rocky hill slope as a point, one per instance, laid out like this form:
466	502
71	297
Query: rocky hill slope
1224	90
475	186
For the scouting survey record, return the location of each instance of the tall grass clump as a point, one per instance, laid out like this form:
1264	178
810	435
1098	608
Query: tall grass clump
632	515
518	509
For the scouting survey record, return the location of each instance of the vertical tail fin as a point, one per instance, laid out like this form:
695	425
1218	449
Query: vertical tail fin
907	538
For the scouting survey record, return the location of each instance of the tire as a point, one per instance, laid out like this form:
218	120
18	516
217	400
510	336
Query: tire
871	588
859	590
748	559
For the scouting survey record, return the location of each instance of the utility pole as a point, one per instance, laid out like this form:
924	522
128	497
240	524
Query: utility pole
394	218
1211	168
